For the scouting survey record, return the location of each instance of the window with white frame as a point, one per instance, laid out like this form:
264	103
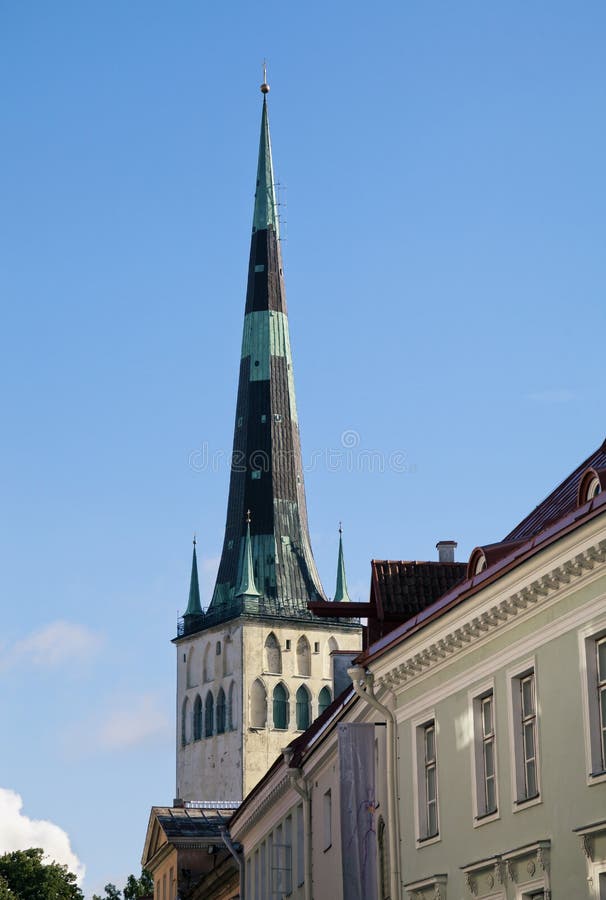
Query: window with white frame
525	735
427	779
594	695
281	880
327	812
300	847
485	754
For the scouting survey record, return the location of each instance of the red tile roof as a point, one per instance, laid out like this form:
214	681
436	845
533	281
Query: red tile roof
561	501
402	588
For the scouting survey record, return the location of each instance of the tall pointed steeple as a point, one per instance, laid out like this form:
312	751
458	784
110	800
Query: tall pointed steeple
267	470
341	592
194	607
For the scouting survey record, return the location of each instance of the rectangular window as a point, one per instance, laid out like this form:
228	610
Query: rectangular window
316	646
485	753
426	767
593	662
327	810
300	846
431	780
281	865
525	735
263	866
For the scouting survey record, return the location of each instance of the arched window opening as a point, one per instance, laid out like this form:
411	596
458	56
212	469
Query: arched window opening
303	656
258	705
329	649
209	714
191	668
324	700
273	655
228	652
231	709
221	712
280	704
206	670
197	718
185	722
303	709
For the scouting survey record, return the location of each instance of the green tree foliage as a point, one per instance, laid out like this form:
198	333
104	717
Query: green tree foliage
27	877
134	888
138	887
5	891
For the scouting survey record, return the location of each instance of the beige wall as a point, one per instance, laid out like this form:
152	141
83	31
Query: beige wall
226	766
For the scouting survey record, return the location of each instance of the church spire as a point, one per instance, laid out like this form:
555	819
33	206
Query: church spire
266	207
194	607
273	551
341	592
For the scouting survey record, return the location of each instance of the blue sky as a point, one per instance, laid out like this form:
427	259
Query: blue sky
441	169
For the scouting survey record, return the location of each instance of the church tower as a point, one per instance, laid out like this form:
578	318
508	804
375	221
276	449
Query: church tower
255	668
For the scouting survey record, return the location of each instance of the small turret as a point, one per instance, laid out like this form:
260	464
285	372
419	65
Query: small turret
193	612
341	592
247	586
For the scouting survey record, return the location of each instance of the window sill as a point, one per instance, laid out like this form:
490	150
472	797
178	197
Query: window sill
596	778
520	805
485	818
427	841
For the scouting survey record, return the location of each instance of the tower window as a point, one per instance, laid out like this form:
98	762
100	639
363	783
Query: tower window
324	700
209	715
263	419
288	644
258	705
197	719
221	709
316	646
280	707
303	709
255	474
259	267
218	648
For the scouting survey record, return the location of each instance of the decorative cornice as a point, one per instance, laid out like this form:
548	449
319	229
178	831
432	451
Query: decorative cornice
480	626
264	804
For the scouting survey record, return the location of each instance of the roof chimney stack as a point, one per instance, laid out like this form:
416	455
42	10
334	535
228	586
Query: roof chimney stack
446	551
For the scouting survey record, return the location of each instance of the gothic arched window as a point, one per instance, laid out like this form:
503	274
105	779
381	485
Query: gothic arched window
303	656
221	711
329	648
209	714
206	670
258	705
228	650
324	700
231	707
191	668
303	703
273	655
185	722
197	718
280	704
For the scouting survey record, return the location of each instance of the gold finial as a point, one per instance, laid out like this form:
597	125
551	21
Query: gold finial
248	517
265	86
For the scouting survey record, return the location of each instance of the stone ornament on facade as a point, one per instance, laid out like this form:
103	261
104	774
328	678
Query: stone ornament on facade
491	620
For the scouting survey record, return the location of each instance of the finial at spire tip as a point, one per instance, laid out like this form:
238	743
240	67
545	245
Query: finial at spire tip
195	539
265	86
340	527
248	517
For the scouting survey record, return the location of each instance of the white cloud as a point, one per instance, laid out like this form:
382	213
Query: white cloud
552	396
18	832
135	720
53	645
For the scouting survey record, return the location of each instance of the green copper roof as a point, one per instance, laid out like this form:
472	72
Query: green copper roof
194	607
341	592
247	586
266	208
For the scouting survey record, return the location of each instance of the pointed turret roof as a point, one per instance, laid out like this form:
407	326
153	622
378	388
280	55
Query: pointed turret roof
341	592
247	586
194	607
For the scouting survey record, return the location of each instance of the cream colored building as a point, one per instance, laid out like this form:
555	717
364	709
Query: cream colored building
496	695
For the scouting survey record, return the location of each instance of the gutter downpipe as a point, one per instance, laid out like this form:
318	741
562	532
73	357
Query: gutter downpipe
299	783
363	685
239	858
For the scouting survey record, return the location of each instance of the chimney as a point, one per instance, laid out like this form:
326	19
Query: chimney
446	551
